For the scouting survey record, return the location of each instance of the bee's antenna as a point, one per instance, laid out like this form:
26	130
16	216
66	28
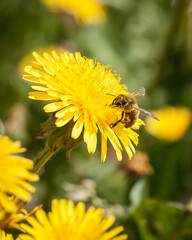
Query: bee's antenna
110	94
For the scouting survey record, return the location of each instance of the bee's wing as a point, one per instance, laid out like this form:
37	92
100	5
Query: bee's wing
147	113
139	92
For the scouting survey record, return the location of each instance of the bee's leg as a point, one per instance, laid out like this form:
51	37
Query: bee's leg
114	124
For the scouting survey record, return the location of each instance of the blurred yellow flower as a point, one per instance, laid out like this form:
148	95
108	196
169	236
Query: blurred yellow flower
68	222
4	236
87	11
15	176
174	122
78	89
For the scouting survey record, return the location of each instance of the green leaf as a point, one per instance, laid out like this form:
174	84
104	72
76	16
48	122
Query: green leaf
158	220
139	191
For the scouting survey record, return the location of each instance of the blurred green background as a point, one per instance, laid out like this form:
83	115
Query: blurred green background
149	43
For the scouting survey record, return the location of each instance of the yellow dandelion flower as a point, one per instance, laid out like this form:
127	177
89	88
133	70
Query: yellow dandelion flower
66	221
174	122
14	218
4	236
79	89
15	175
88	11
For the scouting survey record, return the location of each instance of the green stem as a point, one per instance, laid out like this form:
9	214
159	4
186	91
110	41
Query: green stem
175	27
42	158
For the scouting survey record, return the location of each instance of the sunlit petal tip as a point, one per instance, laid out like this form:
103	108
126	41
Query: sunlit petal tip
91	148
119	156
31	97
53	107
35	54
103	158
27	68
22	149
77	129
60	123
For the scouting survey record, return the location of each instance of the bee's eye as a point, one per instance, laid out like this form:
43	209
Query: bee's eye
118	103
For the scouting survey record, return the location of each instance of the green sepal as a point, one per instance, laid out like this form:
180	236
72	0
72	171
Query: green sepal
47	128
60	137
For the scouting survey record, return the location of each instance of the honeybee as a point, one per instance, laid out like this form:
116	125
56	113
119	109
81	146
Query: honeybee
129	107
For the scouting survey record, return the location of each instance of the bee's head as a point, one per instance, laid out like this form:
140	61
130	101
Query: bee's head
122	101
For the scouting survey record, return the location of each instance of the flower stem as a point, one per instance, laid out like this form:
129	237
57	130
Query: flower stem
42	158
172	36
